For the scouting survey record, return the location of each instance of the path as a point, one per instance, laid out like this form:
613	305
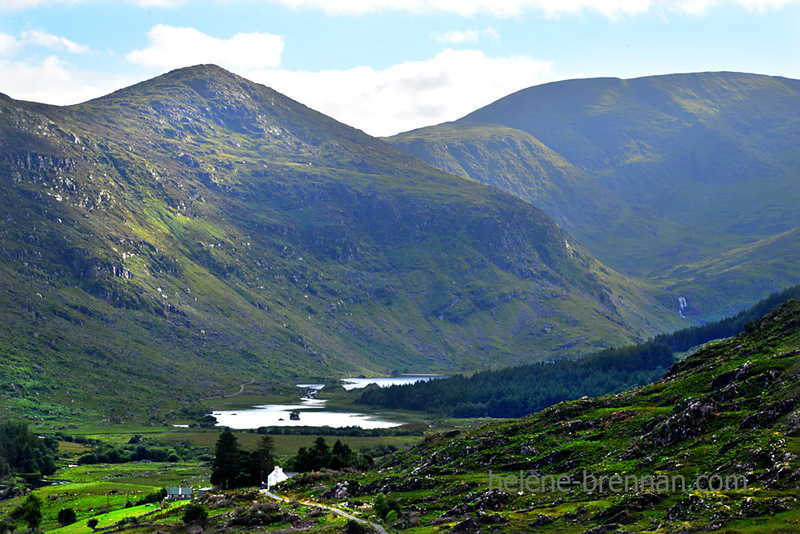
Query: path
339	511
241	390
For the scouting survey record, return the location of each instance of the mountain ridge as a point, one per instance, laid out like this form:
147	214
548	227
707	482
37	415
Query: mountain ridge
669	170
197	241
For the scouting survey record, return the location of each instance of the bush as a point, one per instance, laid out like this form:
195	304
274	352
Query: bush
156	496
67	516
354	527
92	523
194	513
380	506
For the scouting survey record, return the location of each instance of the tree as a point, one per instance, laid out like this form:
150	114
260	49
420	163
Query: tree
67	516
194	513
263	457
224	470
6	526
30	511
92	523
382	506
341	455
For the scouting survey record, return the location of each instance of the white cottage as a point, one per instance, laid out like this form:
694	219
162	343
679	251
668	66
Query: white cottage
179	493
276	477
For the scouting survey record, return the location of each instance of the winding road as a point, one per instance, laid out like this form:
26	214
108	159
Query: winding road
339	511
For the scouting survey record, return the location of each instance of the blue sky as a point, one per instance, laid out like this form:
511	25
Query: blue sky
386	66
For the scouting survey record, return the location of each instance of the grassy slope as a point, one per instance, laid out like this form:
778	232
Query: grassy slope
723	284
197	231
648	173
727	410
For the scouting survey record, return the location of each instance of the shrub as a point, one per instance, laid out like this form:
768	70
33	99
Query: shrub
354	527
67	516
194	513
92	523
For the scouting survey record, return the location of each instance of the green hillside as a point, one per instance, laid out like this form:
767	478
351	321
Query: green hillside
650	173
723	284
196	232
711	447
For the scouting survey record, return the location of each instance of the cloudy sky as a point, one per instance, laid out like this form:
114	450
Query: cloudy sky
386	66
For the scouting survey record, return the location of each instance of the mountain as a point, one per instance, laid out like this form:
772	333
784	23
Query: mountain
711	447
195	232
649	174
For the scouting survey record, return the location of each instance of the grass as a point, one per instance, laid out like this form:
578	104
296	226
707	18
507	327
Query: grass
104	492
196	258
649	430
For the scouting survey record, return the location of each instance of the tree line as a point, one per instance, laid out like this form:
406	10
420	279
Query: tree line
24	453
234	467
521	390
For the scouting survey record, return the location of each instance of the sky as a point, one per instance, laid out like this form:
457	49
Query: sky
386	66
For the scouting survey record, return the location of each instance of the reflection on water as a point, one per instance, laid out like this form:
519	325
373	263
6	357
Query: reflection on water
312	413
357	383
312	410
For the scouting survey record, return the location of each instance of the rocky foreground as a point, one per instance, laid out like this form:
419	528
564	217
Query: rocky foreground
712	446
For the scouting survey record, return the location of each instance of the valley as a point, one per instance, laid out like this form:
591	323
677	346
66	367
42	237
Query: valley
604	270
652	175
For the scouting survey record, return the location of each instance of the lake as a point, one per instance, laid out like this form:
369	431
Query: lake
357	383
312	413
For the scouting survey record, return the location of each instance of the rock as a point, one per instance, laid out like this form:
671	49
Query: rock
689	420
478	502
339	491
602	528
684	508
491	519
316	512
731	377
765	418
541	521
468	525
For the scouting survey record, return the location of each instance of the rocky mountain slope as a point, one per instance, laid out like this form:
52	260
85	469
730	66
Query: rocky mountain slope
649	174
711	447
198	231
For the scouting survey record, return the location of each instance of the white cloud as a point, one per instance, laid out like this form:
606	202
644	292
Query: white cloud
160	3
174	47
465	37
411	94
19	5
8	43
612	9
702	7
54	81
49	40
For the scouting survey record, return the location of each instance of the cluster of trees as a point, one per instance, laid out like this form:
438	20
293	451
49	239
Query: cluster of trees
105	453
683	340
322	456
518	391
23	452
412	429
234	467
